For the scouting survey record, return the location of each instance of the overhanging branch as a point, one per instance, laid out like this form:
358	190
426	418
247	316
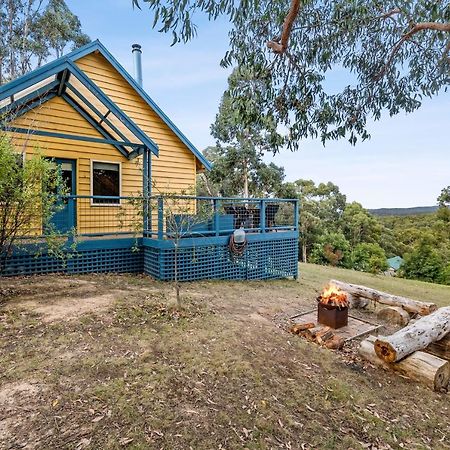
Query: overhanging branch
416	28
280	46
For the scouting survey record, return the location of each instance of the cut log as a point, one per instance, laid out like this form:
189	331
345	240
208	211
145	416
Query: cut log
394	315
427	369
412	306
324	335
440	348
298	327
335	343
414	337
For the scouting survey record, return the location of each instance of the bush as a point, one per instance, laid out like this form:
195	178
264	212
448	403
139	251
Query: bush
369	258
423	263
331	248
28	194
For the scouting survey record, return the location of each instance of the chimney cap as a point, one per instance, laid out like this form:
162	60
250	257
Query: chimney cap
136	47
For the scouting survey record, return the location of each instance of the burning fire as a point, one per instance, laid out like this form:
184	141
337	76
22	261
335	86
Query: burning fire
333	296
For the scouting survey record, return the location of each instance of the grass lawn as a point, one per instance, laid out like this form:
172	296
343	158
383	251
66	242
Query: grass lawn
104	361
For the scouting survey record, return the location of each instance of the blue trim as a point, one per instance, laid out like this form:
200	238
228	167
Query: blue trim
97	45
64	63
93	123
38	94
60	65
33	77
73	137
103	118
95	90
35	104
217	240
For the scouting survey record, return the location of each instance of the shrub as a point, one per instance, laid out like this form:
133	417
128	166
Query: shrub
331	248
369	258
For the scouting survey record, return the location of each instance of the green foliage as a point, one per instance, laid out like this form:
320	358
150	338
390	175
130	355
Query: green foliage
331	248
423	263
231	165
359	226
444	198
31	31
369	257
391	64
28	196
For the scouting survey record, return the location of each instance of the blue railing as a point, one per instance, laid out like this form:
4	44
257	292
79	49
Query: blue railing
177	216
168	216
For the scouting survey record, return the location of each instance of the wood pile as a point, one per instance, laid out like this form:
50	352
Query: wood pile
420	350
320	334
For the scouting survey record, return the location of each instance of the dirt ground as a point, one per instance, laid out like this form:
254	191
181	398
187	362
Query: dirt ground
105	361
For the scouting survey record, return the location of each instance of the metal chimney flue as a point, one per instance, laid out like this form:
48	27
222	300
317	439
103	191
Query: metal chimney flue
137	53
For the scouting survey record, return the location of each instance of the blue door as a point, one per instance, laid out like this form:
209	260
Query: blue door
64	218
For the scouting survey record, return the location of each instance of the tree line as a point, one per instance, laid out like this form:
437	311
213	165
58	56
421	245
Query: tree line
31	31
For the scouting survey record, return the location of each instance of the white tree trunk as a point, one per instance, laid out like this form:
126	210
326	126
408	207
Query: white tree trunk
412	306
427	369
416	336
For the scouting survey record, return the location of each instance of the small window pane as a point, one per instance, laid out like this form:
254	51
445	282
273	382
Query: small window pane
106	182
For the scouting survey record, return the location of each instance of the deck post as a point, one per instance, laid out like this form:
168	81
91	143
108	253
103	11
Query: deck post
262	215
160	217
216	216
145	191
296	214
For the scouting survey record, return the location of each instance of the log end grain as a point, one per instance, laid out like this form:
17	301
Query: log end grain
385	351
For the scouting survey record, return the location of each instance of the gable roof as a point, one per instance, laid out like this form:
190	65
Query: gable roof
67	62
98	46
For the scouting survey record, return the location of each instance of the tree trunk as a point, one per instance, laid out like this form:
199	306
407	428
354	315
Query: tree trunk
427	369
394	315
177	284
416	336
412	306
245	179
440	348
304	250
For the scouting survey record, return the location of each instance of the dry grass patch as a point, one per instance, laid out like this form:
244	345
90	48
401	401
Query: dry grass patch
219	374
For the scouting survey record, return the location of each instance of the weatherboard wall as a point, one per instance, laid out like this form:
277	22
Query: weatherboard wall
174	170
58	116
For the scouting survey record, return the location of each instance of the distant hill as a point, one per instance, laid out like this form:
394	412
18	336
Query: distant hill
403	211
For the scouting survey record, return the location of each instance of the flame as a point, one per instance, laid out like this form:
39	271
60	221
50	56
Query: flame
333	296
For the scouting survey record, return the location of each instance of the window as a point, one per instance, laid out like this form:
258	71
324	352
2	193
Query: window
105	183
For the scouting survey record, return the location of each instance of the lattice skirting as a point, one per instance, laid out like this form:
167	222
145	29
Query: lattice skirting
269	256
120	256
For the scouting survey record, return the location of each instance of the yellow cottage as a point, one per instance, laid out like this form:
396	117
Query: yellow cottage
109	137
118	152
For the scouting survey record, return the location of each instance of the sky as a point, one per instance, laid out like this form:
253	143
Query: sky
406	162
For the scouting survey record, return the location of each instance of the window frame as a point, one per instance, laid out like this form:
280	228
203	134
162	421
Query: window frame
118	163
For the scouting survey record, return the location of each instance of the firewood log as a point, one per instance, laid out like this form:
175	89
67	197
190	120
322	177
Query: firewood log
335	343
440	348
394	315
427	369
412	306
297	327
414	337
324	335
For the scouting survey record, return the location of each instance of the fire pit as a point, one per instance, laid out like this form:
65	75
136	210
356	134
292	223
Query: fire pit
332	308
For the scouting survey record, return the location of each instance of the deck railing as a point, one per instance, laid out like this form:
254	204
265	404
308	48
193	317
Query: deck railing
168	216
193	216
